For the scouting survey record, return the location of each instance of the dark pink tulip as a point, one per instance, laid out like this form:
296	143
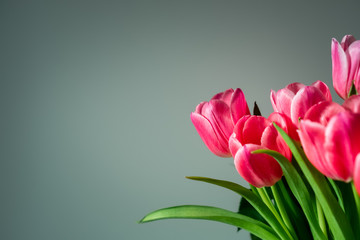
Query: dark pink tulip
215	120
257	132
259	170
330	136
345	65
296	98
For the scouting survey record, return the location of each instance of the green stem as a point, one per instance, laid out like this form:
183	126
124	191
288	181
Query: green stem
321	218
266	199
283	213
357	204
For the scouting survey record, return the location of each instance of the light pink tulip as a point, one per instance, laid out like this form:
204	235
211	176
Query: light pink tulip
296	98
257	132
215	120
330	136
345	65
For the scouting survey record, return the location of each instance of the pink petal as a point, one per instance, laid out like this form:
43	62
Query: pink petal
271	139
234	144
353	103
209	136
295	87
354	53
323	112
218	113
346	41
257	169
324	89
273	100
285	123
357	174
303	100
340	69
312	137
238	105
224	96
253	129
341	148
284	97
238	129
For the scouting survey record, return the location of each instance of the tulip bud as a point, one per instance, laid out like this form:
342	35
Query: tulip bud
215	120
345	66
295	99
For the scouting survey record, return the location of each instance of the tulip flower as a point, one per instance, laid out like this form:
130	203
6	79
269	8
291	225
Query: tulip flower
257	132
215	120
295	99
330	136
345	65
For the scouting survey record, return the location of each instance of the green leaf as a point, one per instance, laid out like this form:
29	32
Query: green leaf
335	216
294	211
245	208
299	190
352	90
253	199
257	228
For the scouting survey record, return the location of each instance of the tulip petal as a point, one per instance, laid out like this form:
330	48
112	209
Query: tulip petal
234	144
238	129
341	148
284	97
346	41
353	103
271	139
312	137
224	96
285	123
357	173
295	87
218	113
323	112
238	105
253	129
324	89
340	69
354	53
303	100
259	170
273	100
208	135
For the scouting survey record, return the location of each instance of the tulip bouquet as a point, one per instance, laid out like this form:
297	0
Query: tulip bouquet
302	162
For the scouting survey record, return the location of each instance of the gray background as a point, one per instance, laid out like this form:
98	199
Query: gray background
96	97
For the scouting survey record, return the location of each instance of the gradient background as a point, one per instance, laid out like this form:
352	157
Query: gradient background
96	98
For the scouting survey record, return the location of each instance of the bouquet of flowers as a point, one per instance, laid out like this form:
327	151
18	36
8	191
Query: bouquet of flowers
302	162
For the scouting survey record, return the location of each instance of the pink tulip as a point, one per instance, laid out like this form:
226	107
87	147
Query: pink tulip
330	136
345	65
215	120
296	98
256	132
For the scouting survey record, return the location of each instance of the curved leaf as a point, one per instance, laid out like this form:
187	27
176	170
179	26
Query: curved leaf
253	199
213	214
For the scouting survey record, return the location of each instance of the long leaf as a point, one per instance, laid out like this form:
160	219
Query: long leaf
253	199
335	216
299	190
213	214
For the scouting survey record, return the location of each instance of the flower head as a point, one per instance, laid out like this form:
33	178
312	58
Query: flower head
215	120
